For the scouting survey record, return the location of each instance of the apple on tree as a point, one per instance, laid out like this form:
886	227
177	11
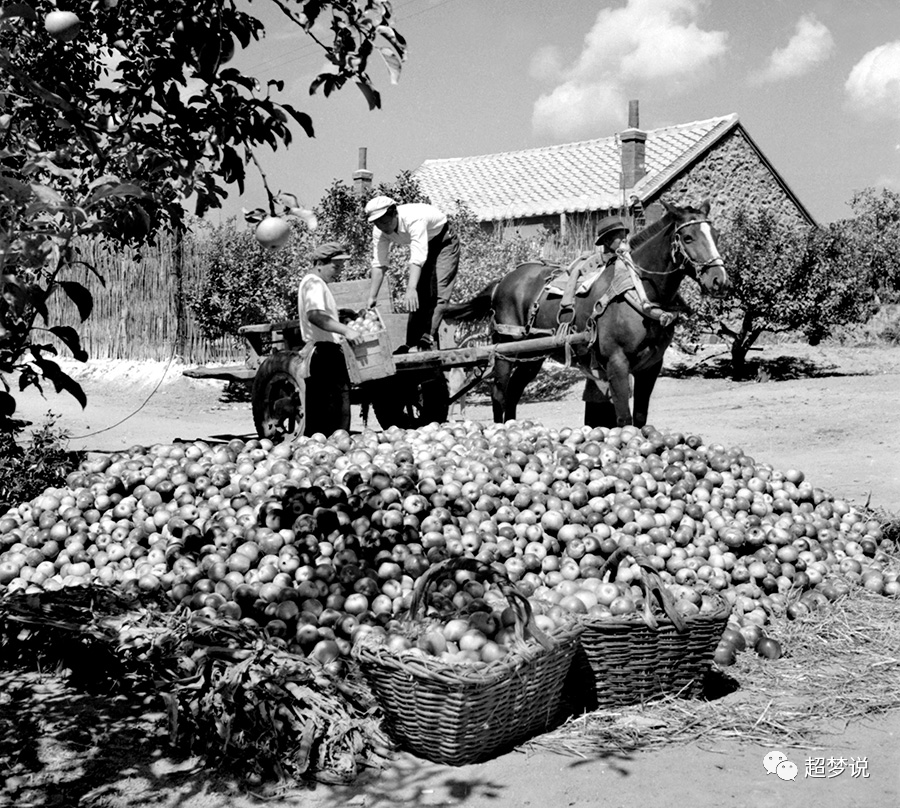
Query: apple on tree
62	25
273	232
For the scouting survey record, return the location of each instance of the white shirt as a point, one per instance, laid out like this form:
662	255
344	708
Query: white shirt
314	295
417	223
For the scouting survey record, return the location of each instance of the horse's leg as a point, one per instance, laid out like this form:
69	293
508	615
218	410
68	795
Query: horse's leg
501	374
617	371
599	409
644	382
522	374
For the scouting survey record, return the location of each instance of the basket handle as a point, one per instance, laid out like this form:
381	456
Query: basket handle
651	584
524	625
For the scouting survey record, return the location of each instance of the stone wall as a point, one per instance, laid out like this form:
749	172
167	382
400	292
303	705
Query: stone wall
730	174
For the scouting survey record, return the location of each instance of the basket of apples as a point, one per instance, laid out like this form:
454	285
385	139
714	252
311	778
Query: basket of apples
655	640
462	685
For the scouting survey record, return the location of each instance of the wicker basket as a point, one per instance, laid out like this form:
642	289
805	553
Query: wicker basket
642	657
459	714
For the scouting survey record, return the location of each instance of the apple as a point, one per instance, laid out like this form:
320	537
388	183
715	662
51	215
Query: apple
273	232
63	26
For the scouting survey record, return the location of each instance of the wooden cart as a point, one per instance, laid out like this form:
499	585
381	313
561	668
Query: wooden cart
414	393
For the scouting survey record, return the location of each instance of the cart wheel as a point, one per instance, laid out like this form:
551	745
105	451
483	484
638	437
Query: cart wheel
411	404
279	397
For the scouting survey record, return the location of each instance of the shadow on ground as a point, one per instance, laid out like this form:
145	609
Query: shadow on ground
774	369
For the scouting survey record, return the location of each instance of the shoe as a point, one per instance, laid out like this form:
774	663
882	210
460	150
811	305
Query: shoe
425	343
403	349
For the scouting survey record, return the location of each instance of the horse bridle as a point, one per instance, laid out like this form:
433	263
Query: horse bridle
680	254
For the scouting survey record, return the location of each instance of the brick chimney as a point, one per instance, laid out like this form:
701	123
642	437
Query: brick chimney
633	142
362	179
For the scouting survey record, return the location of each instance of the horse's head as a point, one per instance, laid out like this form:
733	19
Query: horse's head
694	247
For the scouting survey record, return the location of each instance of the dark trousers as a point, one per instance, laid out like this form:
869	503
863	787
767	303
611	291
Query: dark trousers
327	390
435	286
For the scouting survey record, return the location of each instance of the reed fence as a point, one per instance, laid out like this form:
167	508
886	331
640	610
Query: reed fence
140	310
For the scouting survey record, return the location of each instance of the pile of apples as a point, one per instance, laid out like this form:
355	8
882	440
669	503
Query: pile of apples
322	540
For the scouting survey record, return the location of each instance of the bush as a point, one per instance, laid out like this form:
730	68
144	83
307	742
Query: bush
29	468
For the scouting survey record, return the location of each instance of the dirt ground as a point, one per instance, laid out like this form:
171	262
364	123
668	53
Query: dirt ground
831	412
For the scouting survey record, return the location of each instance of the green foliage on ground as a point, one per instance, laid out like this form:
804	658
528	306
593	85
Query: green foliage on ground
29	465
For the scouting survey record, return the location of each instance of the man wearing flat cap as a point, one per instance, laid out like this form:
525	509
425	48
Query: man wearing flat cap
433	262
328	385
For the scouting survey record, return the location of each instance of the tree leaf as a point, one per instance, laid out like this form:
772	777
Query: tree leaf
317	82
72	341
7	404
92	269
120	189
79	295
371	94
61	380
302	118
22	10
37	297
393	63
46	195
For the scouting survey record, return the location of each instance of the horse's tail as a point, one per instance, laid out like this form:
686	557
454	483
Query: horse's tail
477	308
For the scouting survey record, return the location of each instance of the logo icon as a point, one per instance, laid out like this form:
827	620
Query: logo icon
771	761
786	770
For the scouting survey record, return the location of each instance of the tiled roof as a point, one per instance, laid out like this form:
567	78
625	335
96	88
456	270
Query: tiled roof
571	177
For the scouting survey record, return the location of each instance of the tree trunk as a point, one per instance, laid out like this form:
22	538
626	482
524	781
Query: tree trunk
180	345
741	346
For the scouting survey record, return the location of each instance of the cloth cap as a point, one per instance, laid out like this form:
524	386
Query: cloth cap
609	225
377	206
329	251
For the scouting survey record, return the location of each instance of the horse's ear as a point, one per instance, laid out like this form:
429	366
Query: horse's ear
704	208
669	207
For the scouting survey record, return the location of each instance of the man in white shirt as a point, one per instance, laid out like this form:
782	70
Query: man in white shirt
433	262
327	386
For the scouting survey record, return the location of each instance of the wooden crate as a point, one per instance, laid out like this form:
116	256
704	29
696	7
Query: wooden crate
353	295
371	358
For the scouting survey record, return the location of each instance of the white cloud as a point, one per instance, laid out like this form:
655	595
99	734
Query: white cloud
626	49
546	64
873	86
810	45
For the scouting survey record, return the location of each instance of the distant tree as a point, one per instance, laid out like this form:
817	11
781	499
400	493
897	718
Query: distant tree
487	255
112	114
785	278
874	233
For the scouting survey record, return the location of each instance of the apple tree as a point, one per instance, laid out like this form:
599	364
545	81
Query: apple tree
114	113
786	278
873	231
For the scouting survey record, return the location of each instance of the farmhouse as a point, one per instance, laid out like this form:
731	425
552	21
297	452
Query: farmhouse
565	188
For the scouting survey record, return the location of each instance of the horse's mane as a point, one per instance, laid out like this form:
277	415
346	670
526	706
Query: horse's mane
643	236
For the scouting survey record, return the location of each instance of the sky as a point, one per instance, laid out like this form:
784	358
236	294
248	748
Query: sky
816	84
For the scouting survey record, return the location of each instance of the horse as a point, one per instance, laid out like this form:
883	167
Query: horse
625	341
